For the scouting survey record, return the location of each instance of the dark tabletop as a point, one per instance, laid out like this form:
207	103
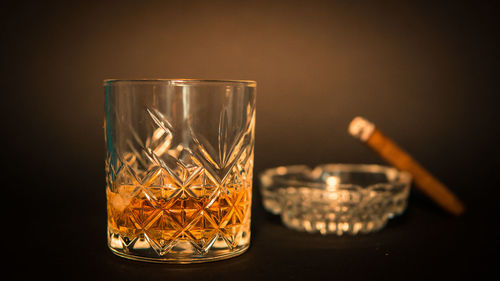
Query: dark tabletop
64	236
425	72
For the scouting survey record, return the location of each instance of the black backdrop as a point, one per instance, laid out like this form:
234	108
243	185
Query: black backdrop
425	73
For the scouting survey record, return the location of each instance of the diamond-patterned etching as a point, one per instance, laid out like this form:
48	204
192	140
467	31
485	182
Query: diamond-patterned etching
181	197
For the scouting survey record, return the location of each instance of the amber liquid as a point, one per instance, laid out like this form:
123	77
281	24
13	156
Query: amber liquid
162	216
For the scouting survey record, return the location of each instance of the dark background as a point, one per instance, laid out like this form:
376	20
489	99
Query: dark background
426	73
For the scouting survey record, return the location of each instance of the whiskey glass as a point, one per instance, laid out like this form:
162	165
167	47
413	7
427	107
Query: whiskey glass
179	167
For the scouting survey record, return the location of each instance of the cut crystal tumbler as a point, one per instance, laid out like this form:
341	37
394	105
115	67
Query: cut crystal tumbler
179	168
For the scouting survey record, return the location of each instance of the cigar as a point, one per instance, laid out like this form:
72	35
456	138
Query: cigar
397	157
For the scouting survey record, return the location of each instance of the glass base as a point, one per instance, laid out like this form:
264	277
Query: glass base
201	259
183	252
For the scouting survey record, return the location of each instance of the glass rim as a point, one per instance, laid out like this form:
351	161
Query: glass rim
181	81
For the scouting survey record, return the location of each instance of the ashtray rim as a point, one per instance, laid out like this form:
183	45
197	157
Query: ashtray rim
399	176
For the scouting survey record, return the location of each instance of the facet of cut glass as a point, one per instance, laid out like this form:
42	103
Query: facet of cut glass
179	168
335	198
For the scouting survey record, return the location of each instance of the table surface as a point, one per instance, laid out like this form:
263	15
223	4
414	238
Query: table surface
67	239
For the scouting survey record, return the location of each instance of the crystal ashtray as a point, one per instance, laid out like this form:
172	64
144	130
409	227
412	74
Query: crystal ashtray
335	198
